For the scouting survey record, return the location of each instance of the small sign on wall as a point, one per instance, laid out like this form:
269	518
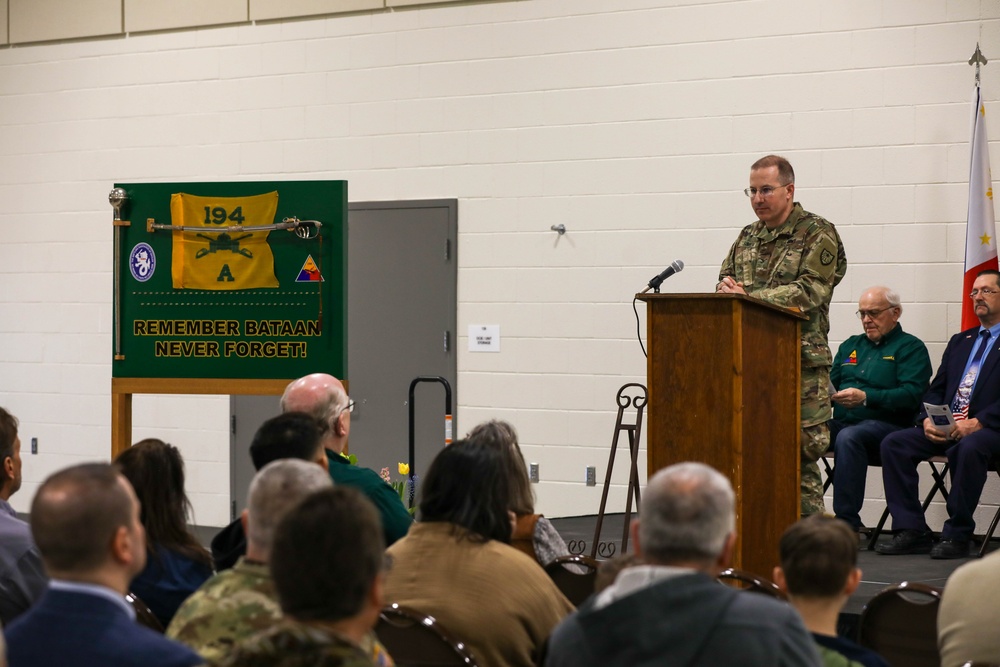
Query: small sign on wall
484	338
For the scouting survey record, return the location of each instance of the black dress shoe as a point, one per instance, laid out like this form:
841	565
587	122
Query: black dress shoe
907	542
950	549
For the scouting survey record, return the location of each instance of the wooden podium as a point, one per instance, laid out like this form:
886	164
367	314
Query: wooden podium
723	380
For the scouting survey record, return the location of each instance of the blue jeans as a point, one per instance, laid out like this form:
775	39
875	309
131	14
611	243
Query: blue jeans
854	446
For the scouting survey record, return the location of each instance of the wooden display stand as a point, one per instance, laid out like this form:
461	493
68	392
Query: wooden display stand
123	388
723	377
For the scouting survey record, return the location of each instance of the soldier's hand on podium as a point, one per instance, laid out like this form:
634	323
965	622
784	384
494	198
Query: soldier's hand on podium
729	286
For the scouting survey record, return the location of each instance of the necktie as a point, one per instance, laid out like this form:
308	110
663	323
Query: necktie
960	406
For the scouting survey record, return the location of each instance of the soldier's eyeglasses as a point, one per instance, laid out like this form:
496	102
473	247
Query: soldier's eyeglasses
985	292
862	314
765	191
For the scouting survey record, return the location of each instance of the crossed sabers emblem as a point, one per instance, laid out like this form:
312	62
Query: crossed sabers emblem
222	243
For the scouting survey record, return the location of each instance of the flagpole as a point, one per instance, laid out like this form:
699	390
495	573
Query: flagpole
981	231
977	59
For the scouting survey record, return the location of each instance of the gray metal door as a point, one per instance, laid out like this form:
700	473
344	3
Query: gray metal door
402	311
246	414
402	282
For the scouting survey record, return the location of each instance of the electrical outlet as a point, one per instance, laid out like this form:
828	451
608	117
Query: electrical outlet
533	473
34	445
591	476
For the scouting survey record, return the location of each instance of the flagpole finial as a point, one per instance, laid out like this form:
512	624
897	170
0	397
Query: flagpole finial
977	59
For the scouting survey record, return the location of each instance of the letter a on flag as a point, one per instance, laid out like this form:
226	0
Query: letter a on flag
981	232
222	260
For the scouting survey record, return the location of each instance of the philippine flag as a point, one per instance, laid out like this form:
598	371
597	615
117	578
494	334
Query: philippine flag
981	232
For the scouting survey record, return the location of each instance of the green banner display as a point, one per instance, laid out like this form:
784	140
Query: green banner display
244	280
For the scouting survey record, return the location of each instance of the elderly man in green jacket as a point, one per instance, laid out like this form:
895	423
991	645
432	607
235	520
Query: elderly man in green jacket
323	396
880	377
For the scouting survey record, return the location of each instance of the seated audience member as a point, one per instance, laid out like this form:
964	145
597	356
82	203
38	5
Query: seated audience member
241	601
293	435
327	566
177	564
85	520
671	610
608	570
22	577
533	533
818	573
456	563
323	396
967	618
968	381
880	377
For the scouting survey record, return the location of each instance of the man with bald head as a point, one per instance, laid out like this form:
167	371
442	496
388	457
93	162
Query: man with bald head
324	397
85	520
880	376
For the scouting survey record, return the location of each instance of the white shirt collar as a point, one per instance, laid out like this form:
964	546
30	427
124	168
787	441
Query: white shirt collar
636	578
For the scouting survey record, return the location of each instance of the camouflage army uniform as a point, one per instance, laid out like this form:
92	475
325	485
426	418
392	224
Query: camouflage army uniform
230	606
233	605
797	265
294	644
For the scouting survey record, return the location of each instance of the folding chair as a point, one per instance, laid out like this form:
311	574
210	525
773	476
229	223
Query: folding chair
414	639
995	466
938	485
829	468
749	582
900	624
143	614
575	585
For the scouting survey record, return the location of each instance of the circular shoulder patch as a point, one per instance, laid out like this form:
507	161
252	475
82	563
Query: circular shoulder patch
142	262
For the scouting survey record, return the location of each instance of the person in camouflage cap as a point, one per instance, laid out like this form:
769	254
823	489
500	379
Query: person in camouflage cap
327	566
792	258
239	602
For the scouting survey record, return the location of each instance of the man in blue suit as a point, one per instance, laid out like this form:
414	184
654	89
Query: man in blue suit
85	521
968	380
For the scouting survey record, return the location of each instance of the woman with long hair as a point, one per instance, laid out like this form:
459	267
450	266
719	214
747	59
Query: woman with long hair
533	533
456	563
177	564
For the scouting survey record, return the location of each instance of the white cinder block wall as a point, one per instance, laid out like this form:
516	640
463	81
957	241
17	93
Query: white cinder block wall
632	122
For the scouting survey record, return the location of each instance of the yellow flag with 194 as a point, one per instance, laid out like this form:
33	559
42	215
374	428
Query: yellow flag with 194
213	260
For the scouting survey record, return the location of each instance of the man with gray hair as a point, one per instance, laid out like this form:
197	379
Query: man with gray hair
242	601
671	610
324	397
880	377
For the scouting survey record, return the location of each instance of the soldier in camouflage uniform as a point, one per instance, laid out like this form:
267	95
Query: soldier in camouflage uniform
291	644
327	565
792	258
242	601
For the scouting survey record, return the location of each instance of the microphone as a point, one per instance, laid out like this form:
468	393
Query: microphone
676	267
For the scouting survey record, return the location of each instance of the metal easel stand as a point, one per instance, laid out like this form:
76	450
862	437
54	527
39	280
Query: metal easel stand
637	399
